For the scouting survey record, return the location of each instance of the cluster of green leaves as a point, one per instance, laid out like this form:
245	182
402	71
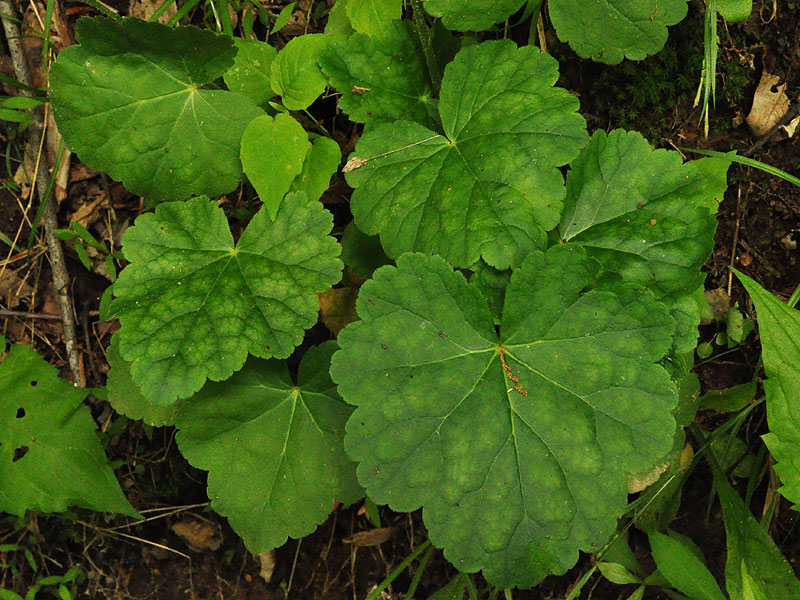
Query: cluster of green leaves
518	362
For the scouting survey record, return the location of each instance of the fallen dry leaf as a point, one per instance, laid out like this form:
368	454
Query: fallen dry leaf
144	9
770	103
372	537
197	534
267	560
13	289
338	308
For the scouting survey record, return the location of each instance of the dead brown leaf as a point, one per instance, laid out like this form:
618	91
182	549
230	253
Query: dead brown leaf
372	537
197	534
338	308
14	289
770	103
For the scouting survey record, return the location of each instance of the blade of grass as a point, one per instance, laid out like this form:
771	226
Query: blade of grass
750	162
161	10
182	12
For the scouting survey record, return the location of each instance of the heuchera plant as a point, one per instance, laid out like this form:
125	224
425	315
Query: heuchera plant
515	365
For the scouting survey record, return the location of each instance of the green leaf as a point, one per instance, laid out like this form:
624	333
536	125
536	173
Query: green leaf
50	457
320	164
610	30
616	573
731	399
683	569
129	100
296	76
124	394
274	450
380	78
750	543
734	10
373	17
192	303
779	329
250	73
751	589
641	212
283	17
338	21
472	15
362	253
489	187
273	151
516	446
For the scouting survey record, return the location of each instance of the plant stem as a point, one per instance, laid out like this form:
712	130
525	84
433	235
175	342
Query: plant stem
794	297
424	33
400	568
58	264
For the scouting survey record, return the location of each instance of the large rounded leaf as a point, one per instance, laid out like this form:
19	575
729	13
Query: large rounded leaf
380	78
489	187
610	30
129	101
516	445
274	450
192	304
50	457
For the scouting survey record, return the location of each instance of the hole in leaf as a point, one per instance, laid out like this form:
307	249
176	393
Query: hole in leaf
20	452
34	383
20	412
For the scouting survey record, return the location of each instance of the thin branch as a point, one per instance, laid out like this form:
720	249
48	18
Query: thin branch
56	252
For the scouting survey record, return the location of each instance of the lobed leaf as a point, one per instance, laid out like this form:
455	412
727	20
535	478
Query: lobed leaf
779	329
193	303
489	186
273	449
129	100
50	457
516	445
380	78
610	30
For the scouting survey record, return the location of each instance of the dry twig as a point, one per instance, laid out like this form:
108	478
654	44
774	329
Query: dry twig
55	250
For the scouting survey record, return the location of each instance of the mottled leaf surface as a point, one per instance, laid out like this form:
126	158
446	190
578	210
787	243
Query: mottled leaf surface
779	329
489	185
610	30
516	446
380	78
130	101
273	450
50	456
193	304
472	15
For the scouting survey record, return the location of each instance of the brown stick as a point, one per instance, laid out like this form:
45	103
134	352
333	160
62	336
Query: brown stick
49	218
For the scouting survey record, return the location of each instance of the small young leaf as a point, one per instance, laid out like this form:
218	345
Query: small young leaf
683	569
193	304
373	17
616	573
516	446
283	17
273	151
50	457
296	76
779	329
129	100
610	30
487	188
380	78
320	164
250	73
274	450
731	399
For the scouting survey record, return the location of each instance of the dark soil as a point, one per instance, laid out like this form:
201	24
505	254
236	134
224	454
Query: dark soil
759	228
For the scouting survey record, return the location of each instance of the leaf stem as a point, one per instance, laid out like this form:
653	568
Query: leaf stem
424	33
